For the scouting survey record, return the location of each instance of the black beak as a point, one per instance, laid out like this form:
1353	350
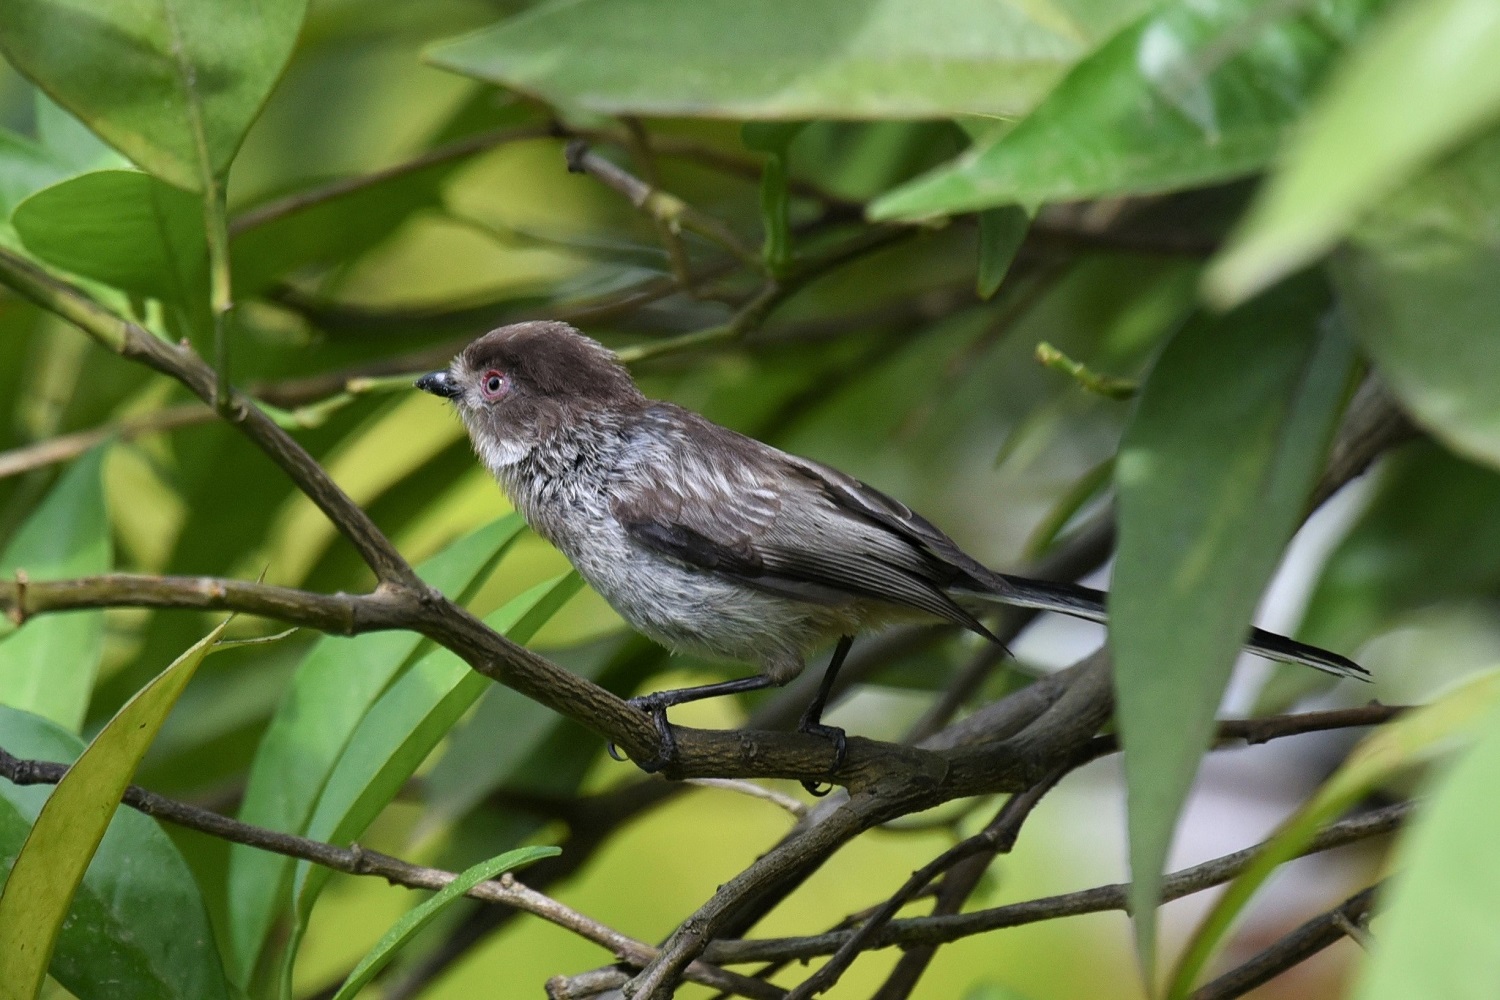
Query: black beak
439	384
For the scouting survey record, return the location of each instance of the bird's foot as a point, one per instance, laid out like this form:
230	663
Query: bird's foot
840	742
666	751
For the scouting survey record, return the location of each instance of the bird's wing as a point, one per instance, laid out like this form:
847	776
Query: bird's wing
716	500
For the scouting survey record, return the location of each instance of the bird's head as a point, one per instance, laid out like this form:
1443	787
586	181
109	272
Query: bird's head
519	385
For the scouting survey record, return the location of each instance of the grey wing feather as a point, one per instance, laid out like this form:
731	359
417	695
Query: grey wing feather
733	506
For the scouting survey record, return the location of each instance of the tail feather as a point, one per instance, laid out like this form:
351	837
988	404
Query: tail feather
1088	604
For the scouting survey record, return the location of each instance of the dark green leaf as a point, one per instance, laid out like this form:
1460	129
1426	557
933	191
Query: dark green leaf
48	665
137	929
418	917
173	84
333	689
785	59
1425	80
1418	281
1213	475
67	831
1192	94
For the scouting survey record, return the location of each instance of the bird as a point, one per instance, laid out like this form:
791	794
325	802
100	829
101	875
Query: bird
713	543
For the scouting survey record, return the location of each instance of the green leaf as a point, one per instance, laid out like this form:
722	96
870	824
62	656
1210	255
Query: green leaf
1397	746
1440	935
1418	282
1001	233
48	665
172	84
1425	80
418	917
397	734
137	928
333	689
786	59
1213	474
68	830
1191	94
124	228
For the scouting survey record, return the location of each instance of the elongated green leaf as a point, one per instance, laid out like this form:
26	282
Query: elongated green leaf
124	228
1214	472
1425	80
1418	279
418	917
333	689
137	928
48	665
786	59
68	830
1191	94
1440	935
1409	741
398	733
173	84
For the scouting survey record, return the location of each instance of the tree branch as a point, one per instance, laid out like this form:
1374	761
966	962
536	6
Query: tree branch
1297	947
356	860
944	929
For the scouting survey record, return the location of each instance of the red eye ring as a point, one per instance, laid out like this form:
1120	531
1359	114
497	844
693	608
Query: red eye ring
493	384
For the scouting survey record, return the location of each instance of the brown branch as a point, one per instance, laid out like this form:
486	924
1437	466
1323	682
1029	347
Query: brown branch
65	447
944	929
1297	947
998	837
664	209
356	860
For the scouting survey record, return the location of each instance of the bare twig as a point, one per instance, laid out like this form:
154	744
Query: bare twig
356	860
66	447
1297	947
754	791
664	209
943	929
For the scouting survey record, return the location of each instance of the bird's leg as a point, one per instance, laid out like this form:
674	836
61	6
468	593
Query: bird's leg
657	704
812	718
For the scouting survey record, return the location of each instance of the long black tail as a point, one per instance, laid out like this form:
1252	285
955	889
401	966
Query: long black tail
1088	604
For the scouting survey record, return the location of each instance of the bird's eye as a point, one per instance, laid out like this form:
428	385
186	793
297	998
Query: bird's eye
493	383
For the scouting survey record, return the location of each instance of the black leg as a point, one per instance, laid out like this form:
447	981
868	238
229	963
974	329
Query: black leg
658	703
812	718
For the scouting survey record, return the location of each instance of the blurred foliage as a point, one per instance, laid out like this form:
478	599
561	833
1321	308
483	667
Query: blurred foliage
923	192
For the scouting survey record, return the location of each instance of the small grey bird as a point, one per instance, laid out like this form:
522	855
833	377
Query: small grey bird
713	543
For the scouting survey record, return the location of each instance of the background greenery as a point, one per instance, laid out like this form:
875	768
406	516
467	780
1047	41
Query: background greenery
1229	211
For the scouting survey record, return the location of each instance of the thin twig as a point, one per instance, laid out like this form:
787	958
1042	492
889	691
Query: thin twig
754	791
943	929
356	860
1297	947
665	209
66	447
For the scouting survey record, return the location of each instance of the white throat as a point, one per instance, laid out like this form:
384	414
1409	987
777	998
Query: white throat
498	455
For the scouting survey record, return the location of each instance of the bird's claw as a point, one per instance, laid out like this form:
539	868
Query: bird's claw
840	742
666	751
